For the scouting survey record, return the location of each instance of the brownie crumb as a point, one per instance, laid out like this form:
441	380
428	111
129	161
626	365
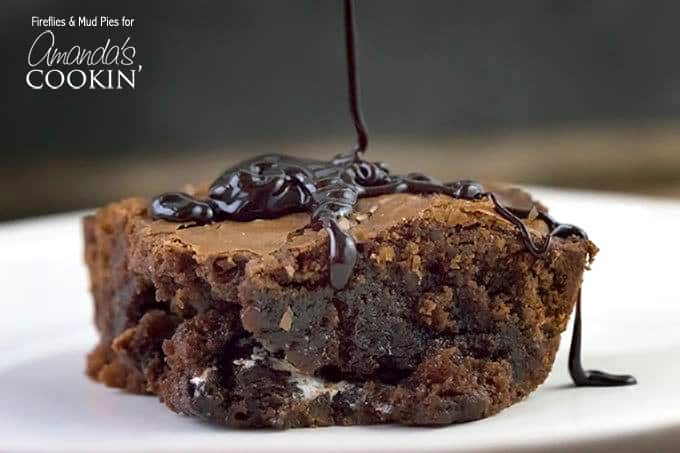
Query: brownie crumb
286	321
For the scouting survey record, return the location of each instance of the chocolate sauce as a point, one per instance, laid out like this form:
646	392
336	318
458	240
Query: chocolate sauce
271	186
590	378
352	78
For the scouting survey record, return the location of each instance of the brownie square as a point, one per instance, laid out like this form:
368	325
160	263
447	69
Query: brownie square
446	318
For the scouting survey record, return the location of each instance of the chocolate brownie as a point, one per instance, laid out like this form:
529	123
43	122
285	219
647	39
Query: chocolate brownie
446	317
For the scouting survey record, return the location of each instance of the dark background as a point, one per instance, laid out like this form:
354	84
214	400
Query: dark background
578	94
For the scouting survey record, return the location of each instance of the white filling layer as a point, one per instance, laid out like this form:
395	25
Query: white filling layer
311	387
384	408
199	381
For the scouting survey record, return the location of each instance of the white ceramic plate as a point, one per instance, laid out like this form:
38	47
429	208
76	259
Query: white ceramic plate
631	315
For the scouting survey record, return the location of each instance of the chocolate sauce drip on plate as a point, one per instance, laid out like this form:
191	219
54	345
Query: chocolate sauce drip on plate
271	186
590	378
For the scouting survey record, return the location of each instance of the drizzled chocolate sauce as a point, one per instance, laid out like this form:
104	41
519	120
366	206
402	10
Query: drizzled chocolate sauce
271	186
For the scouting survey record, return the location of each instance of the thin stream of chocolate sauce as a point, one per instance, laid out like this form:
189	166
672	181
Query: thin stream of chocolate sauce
352	79
274	185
